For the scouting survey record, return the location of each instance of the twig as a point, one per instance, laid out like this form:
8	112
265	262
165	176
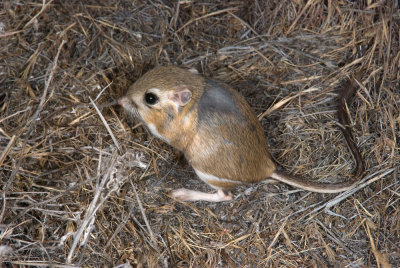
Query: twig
94	206
101	92
248	26
368	180
106	125
206	16
144	217
381	259
44	6
298	16
277	234
280	103
7	149
9	33
41	264
14	114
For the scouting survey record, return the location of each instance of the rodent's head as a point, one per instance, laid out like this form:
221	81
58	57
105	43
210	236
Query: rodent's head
161	96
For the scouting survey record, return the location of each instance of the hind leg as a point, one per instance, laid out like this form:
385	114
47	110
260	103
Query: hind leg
190	195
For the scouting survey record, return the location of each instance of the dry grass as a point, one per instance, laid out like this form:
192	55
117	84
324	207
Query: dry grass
80	187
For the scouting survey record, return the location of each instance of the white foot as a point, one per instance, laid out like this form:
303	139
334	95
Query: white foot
190	195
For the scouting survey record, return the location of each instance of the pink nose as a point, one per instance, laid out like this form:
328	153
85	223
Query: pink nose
122	101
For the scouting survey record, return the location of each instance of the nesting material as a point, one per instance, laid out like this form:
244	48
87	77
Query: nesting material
83	184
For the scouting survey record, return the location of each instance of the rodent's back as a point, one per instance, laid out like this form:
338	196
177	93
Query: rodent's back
229	141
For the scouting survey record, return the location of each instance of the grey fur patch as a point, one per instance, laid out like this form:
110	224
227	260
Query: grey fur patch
217	100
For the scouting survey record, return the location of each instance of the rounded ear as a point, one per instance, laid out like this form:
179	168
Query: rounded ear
180	97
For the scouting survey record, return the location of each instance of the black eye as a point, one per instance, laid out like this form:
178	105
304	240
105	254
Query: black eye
150	98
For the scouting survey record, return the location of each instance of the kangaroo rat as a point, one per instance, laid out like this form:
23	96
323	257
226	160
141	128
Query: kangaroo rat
214	127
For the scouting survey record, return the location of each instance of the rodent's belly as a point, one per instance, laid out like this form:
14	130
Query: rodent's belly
217	182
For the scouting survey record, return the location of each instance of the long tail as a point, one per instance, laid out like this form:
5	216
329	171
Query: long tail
312	186
345	98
